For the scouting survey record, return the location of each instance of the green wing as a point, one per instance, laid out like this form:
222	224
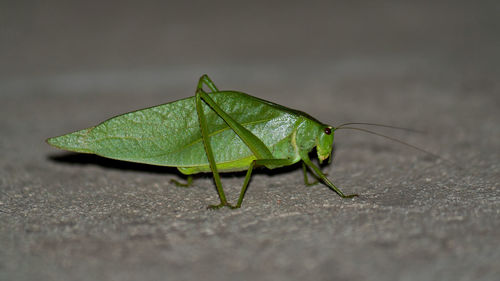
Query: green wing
169	134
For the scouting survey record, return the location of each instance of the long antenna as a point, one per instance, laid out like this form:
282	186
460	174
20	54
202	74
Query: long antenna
379	125
396	140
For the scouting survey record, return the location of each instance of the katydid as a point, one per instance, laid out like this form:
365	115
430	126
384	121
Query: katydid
214	131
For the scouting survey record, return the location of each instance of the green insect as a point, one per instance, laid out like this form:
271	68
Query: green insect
215	131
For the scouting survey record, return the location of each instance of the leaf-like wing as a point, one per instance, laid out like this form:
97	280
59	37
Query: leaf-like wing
169	134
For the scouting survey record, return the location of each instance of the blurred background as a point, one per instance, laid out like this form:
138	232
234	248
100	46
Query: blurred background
148	43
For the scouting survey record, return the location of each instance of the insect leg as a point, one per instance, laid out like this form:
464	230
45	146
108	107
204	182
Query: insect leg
261	162
207	81
307	161
208	149
258	148
181	184
306	180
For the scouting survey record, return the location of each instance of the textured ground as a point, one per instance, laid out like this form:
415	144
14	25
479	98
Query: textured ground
432	67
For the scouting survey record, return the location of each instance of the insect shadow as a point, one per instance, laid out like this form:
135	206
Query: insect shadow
92	159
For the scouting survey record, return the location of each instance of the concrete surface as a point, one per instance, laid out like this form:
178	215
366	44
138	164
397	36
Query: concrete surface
432	66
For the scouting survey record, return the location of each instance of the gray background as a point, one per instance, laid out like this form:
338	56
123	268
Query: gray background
428	65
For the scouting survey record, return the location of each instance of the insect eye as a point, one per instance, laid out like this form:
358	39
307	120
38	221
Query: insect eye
328	131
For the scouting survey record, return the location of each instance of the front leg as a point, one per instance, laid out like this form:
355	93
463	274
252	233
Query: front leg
306	180
320	175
